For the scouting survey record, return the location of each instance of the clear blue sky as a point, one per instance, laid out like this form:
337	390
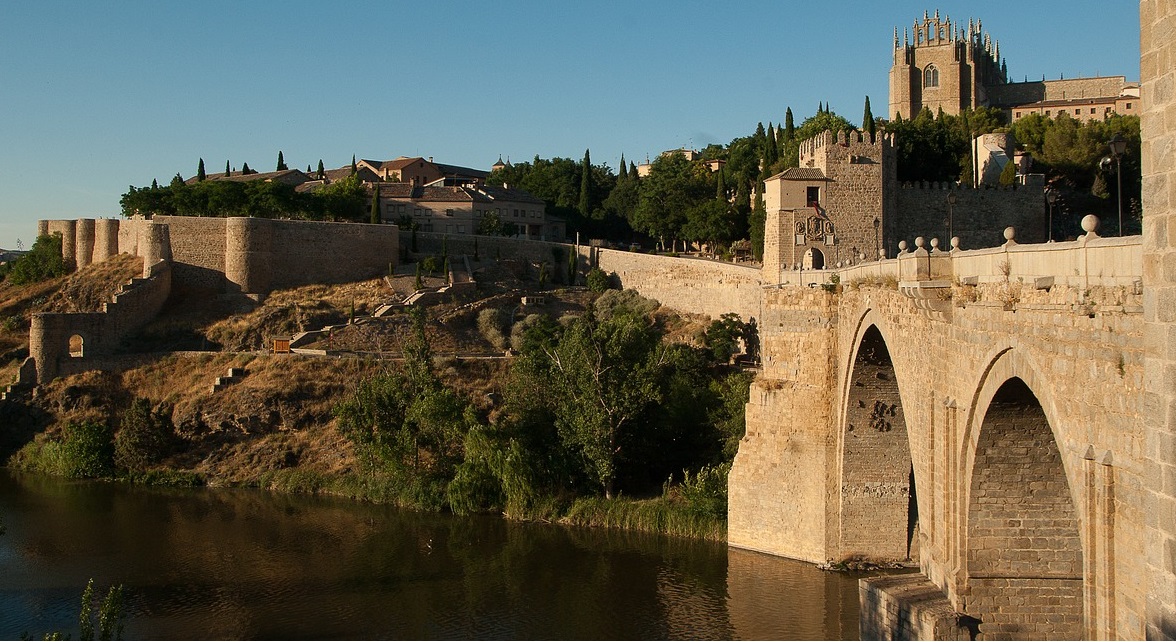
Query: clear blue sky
96	96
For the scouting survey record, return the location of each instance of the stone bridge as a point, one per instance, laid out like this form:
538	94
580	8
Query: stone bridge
978	413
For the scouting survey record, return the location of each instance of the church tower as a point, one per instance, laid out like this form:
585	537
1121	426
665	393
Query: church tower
943	65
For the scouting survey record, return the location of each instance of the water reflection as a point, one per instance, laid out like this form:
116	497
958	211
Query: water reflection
232	563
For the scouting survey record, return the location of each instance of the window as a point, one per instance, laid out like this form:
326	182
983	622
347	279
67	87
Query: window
1047	112
931	76
1077	111
1128	105
812	196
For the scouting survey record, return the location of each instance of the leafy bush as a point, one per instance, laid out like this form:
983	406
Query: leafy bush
86	449
705	492
43	261
492	324
612	301
722	337
598	280
144	437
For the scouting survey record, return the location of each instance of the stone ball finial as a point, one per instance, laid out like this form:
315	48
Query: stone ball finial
920	242
934	243
902	246
1090	223
1010	233
955	242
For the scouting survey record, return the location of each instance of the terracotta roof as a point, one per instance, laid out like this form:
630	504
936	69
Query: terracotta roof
801	174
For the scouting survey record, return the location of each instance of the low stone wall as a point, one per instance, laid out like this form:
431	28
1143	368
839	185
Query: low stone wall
699	286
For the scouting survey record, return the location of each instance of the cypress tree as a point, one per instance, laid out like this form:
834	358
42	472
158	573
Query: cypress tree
868	124
322	173
585	184
375	214
771	151
633	173
281	162
245	169
622	172
200	175
227	172
789	126
354	167
721	186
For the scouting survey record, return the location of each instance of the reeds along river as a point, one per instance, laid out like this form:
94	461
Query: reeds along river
236	563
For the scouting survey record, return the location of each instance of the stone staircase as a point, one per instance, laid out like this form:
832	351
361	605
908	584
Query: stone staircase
234	375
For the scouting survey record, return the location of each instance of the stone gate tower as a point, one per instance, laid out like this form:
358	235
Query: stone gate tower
943	65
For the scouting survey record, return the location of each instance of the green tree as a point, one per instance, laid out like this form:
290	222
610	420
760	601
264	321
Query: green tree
406	423
228	172
281	162
320	173
43	261
585	185
374	215
603	376
674	186
354	167
1008	175
868	125
200	175
144	437
245	171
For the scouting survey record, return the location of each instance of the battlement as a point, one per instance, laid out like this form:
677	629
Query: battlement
844	143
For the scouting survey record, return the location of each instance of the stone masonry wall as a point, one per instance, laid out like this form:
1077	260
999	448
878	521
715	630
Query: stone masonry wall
779	492
700	286
1158	129
978	217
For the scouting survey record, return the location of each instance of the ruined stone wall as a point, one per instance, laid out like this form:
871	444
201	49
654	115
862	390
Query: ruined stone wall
978	217
692	285
1158	129
101	333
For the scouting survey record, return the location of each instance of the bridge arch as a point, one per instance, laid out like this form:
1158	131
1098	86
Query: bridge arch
877	500
1021	548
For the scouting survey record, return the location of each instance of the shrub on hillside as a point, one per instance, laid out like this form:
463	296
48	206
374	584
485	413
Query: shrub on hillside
43	261
492	324
144	437
598	280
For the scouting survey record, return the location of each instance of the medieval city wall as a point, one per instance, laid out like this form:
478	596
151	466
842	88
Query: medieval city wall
978	217
100	333
487	247
1020	93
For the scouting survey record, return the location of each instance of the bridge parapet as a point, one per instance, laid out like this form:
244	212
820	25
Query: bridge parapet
1090	261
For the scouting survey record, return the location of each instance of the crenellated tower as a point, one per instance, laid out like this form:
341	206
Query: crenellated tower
941	64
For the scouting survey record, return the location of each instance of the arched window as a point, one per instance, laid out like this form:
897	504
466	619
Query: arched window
931	76
76	346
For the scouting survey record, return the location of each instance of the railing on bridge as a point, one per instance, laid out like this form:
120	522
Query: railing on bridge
1089	261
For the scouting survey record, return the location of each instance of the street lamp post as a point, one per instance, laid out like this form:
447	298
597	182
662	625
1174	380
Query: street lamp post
951	201
1118	146
877	241
1051	197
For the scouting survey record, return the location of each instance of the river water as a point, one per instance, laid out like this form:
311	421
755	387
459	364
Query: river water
241	563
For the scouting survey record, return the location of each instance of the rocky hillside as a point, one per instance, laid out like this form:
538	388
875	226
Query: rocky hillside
278	413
